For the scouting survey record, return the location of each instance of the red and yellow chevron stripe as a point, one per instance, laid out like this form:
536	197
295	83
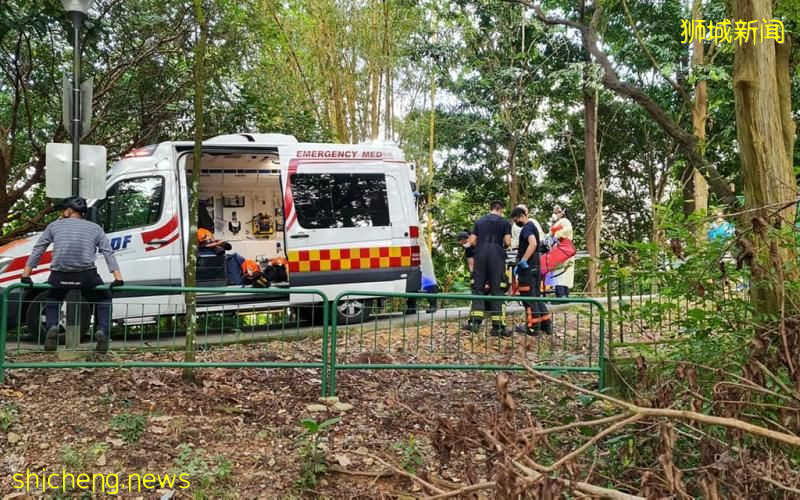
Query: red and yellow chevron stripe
344	259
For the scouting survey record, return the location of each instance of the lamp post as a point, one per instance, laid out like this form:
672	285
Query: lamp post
77	10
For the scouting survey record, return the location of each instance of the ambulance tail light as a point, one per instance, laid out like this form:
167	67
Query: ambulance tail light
415	258
413	232
141	152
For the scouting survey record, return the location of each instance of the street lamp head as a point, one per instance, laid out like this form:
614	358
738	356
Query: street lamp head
81	6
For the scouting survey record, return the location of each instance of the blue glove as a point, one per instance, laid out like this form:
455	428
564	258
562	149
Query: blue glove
523	264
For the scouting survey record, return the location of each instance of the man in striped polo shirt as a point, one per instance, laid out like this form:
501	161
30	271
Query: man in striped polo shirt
75	245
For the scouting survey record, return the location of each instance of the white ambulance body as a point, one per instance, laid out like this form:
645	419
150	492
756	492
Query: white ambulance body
343	216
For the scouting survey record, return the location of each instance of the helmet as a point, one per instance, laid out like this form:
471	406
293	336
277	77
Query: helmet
250	267
74	202
204	235
463	235
279	261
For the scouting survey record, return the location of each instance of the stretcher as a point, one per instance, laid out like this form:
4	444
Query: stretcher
548	261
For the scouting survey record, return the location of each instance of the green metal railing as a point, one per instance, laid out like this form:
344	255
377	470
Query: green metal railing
365	346
156	331
646	308
389	339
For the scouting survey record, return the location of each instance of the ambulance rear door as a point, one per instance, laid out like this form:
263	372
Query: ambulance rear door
343	232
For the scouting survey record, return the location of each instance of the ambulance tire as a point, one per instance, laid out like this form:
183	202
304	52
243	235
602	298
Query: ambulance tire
34	319
310	314
354	311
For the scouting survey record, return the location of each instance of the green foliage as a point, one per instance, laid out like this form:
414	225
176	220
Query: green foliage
411	458
8	416
77	459
313	462
206	476
688	288
130	426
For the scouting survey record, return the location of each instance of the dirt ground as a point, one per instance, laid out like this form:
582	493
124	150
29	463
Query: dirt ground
236	430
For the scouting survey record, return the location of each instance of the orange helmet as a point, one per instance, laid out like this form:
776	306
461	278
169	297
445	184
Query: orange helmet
279	261
250	267
204	235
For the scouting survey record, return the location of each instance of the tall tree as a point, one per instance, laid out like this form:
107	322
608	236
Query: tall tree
592	191
137	64
199	71
765	131
697	191
612	80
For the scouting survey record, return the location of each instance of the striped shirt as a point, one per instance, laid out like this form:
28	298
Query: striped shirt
75	245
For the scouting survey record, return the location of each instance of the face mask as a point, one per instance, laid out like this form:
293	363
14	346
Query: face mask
519	224
466	245
554	217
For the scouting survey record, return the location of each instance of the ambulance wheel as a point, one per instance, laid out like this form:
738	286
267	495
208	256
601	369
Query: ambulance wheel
310	314
35	318
354	311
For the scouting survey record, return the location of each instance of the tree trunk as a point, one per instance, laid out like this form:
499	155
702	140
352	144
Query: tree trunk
388	63
591	186
199	71
513	181
699	117
431	146
765	132
591	168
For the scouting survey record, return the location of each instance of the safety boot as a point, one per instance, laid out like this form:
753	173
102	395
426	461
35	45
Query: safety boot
51	339
500	331
101	339
547	326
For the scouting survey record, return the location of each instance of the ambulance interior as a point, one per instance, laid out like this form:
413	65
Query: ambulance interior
241	203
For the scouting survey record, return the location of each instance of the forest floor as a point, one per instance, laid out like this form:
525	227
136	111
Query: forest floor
237	432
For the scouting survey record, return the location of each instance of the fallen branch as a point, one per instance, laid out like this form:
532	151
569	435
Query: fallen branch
399	471
572	425
379	474
587	488
465	489
732	423
781	485
597	437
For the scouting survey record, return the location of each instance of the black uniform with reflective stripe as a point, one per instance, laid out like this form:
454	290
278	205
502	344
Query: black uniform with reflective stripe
490	262
530	280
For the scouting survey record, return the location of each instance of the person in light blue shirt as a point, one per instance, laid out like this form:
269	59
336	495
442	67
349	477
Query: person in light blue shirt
720	229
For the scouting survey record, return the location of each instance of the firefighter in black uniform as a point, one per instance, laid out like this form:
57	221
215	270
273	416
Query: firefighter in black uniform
490	237
529	275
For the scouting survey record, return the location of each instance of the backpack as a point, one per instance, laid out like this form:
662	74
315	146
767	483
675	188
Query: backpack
233	269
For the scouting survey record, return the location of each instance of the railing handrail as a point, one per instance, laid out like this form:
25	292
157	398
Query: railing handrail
457	296
175	290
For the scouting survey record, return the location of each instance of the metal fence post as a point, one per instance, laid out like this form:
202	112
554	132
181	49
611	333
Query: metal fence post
333	318
325	339
602	380
3	330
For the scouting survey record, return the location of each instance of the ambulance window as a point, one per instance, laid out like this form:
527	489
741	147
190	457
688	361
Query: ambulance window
326	201
131	203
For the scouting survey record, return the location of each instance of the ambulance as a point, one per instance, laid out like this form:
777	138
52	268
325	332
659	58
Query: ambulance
343	216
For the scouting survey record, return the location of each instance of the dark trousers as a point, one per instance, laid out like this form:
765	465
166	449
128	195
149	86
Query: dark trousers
85	281
433	303
562	291
490	268
530	283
